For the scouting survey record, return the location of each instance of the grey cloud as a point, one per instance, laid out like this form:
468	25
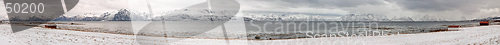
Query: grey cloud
321	3
446	5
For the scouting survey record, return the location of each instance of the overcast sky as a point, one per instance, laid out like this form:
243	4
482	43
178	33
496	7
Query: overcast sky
450	9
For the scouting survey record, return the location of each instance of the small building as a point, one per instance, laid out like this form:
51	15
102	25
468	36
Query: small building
483	23
51	26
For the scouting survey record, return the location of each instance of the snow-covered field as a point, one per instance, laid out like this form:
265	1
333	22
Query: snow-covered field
45	36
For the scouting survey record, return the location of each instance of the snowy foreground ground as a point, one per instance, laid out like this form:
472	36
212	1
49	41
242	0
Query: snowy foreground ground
44	36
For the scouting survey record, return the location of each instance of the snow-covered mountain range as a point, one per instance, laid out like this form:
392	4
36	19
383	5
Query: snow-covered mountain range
287	17
364	17
120	15
347	17
486	19
129	15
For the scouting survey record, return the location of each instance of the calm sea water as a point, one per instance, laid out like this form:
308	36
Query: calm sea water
321	26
